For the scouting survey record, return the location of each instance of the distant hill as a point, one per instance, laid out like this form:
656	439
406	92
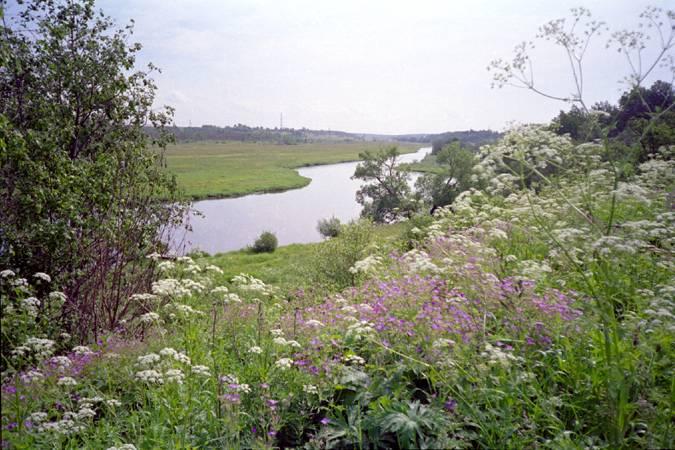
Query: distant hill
290	136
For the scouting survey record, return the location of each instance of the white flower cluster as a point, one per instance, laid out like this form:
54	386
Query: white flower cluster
82	350
497	356
66	381
61	362
533	270
70	423
368	265
284	363
231	298
149	317
31	376
170	287
249	283
313	323
145	297
420	261
310	389
123	447
175	376
220	290
165	266
359	330
280	340
7	273
150	376
31	305
38	347
353	359
175	355
201	370
215	269
148	360
255	350
42	276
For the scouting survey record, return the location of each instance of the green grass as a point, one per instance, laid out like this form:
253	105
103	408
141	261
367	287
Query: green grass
231	169
287	266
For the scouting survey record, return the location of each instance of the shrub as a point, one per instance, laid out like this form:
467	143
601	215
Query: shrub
329	228
335	257
266	243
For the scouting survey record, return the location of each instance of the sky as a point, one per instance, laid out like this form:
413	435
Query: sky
388	67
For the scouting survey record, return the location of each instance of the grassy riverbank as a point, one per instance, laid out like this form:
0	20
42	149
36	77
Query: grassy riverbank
230	169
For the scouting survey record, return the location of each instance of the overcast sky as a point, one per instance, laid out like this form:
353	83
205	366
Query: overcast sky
362	66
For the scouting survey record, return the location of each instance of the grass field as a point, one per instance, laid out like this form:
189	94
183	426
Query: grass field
230	169
289	265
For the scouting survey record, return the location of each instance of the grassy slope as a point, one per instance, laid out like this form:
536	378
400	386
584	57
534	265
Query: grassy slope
230	169
288	265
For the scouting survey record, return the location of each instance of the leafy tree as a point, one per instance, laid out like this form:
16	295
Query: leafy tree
83	195
386	196
440	189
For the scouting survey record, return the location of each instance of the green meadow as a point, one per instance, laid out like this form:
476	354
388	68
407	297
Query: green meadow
231	169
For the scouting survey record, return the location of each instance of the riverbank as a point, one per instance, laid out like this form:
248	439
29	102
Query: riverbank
288	265
233	169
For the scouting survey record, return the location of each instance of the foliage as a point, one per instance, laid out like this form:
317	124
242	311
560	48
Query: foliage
333	259
488	333
266	243
329	228
81	192
386	196
442	188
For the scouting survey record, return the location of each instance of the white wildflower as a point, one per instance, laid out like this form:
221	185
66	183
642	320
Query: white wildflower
284	363
174	376
66	381
148	360
42	276
150	376
82	350
310	389
149	317
7	274
31	376
201	370
255	349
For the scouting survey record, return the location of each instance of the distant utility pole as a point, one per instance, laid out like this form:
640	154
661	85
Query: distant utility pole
281	121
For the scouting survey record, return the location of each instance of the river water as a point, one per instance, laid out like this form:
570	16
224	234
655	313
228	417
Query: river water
233	223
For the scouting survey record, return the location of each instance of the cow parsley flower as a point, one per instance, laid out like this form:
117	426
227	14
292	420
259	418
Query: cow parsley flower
149	317
66	381
7	274
255	349
82	350
310	389
150	376
174	376
148	360
201	370
42	276
284	363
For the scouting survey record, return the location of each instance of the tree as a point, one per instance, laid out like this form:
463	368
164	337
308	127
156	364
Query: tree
441	189
83	195
386	197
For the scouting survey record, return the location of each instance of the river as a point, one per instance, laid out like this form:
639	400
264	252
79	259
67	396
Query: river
233	223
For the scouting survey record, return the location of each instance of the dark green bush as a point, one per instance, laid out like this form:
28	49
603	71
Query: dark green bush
266	243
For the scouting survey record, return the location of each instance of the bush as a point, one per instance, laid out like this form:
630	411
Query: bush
266	243
335	257
329	228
